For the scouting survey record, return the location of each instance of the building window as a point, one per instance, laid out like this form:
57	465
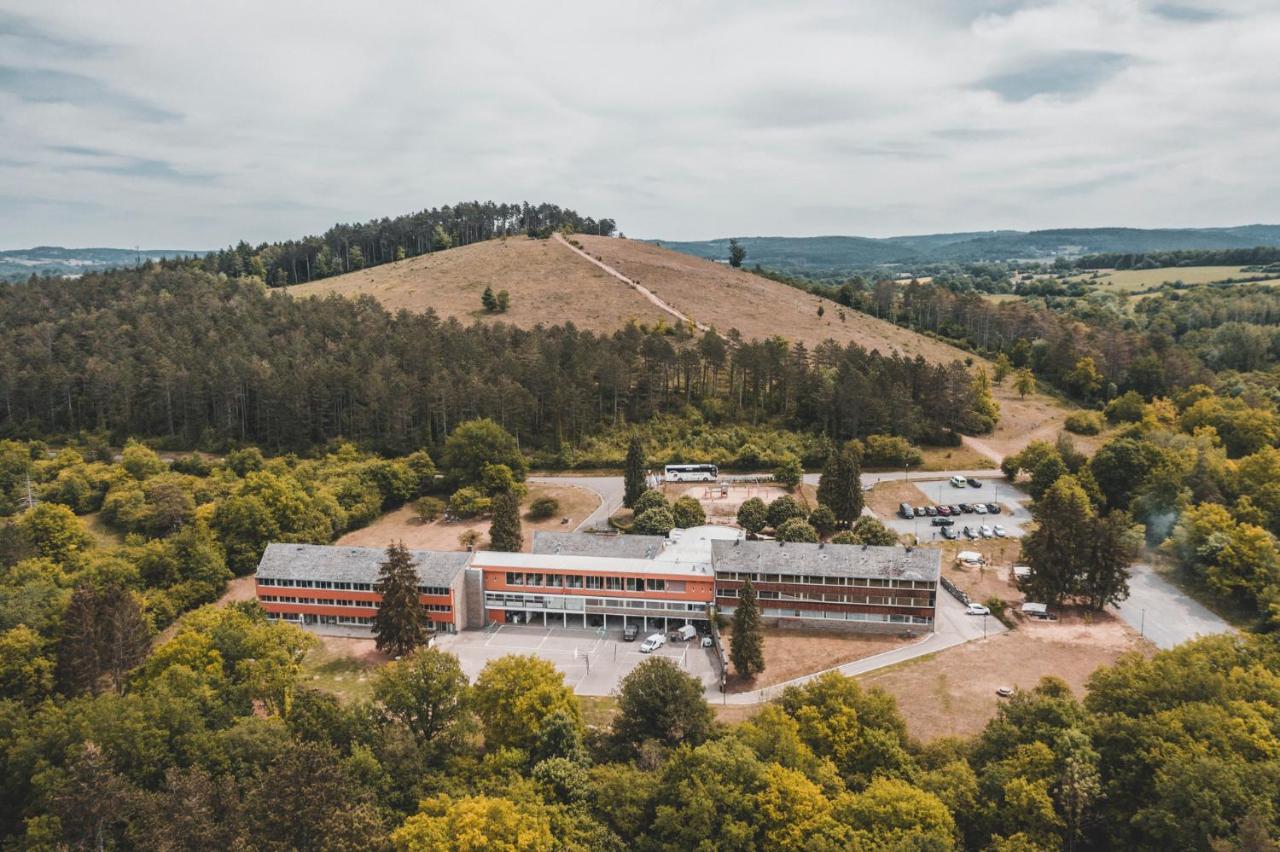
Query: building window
574	581
595	582
655	585
613	584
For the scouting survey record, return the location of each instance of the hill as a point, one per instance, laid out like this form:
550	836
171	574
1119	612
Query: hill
18	264
551	283
839	254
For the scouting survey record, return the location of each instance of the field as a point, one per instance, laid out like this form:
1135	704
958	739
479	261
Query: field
789	654
342	667
401	525
548	285
885	496
953	693
1128	280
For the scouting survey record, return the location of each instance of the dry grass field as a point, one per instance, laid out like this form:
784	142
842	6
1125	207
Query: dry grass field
1126	280
790	653
953	692
401	525
547	283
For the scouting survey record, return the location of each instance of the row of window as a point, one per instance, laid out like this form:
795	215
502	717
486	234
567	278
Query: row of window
348	621
578	581
818	580
438	591
875	600
839	615
294	599
569	603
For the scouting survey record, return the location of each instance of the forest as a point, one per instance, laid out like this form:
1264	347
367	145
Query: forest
348	247
193	359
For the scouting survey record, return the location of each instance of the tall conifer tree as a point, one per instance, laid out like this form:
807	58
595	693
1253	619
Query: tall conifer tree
633	475
746	646
400	624
840	486
505	533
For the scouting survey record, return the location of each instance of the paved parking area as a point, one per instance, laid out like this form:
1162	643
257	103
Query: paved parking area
1013	518
593	660
1163	613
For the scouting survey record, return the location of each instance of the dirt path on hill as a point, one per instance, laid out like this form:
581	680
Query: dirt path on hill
982	448
648	294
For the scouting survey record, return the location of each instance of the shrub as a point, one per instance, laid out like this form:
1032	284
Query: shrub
797	529
427	509
823	520
753	515
655	521
651	499
1126	408
543	508
789	472
468	502
1083	422
687	512
845	537
784	509
889	451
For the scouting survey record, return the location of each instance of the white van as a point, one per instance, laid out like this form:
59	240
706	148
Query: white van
959	482
653	643
686	633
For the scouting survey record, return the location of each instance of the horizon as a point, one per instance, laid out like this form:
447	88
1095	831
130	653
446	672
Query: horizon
716	119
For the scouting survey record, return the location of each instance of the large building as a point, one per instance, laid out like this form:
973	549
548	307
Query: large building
584	580
315	585
880	589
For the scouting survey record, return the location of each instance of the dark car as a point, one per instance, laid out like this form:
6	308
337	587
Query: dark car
949	534
906	511
630	632
931	511
966	508
920	511
993	508
944	511
941	522
955	510
975	483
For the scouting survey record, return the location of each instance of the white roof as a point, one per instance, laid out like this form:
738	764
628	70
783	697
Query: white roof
552	562
694	544
969	556
1037	608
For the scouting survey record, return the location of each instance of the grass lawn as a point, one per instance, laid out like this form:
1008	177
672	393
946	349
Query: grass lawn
342	667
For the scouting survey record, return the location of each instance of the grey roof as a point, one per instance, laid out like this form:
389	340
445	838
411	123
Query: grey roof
354	564
827	560
589	544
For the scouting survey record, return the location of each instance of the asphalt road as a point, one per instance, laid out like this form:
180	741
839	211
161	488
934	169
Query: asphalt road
1164	613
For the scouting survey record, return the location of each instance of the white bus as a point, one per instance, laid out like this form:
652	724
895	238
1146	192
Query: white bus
691	473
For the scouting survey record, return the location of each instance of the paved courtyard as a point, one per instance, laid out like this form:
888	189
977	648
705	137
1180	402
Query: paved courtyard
593	660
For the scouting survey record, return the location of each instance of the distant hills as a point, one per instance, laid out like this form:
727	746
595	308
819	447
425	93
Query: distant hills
18	264
834	255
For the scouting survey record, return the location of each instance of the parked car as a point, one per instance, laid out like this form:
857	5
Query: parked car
941	522
630	632
974	483
985	531
949	534
653	643
969	533
906	511
931	511
944	511
979	508
966	507
955	510
976	609
685	633
958	482
998	531
993	508
920	512
706	642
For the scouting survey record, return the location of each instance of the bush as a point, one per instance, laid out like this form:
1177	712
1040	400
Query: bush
655	521
797	529
789	472
651	499
427	509
1083	422
1126	408
823	520
468	502
889	451
687	512
753	515
543	508
784	509
845	537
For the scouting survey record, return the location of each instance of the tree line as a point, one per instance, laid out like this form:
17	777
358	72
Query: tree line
1258	255
348	247
197	360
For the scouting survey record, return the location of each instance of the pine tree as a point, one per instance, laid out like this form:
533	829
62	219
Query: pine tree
489	300
633	474
840	486
400	624
505	533
746	646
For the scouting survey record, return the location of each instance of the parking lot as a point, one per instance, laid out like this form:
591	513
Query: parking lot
1013	515
593	660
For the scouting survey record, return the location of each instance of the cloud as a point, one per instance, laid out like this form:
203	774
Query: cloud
160	123
1068	74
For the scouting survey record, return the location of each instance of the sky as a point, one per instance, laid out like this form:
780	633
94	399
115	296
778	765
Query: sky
191	125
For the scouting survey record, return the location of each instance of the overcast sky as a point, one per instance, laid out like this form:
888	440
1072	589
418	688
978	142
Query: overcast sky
193	124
